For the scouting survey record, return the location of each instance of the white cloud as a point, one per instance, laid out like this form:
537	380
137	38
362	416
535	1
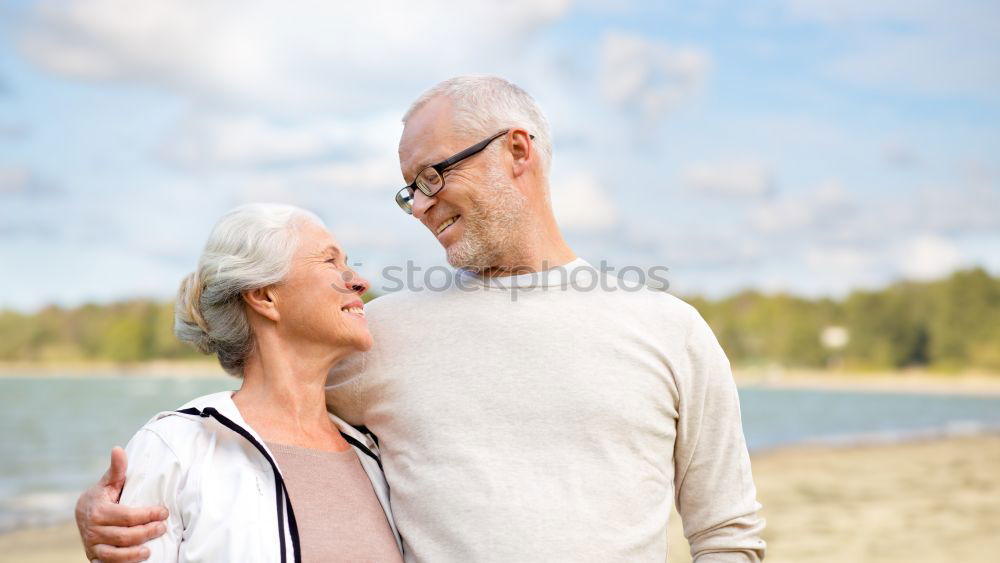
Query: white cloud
244	140
840	12
838	260
782	216
846	244
288	55
926	257
711	250
249	140
11	130
650	75
21	181
935	14
959	209
937	64
821	210
900	155
836	269
924	45
354	235
831	194
581	203
298	184
14	180
738	178
792	130
253	158
372	174
74	272
688	247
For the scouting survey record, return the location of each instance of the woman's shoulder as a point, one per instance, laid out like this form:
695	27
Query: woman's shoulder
181	432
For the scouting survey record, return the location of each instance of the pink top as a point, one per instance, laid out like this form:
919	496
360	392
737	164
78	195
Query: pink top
338	514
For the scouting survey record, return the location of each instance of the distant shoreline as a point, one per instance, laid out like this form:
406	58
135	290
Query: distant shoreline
917	382
161	368
912	381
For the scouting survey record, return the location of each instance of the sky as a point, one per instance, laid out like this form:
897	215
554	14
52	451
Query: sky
807	146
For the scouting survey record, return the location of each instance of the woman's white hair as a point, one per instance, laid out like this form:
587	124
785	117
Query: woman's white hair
251	247
484	105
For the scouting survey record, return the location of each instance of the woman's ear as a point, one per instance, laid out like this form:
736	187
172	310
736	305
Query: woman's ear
263	301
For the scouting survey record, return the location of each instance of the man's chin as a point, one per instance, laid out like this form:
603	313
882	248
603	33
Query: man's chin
471	252
460	257
473	263
457	261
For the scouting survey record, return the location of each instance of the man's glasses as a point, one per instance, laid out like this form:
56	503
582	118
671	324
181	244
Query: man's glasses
430	180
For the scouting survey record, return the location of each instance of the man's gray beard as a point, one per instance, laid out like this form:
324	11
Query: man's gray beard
491	226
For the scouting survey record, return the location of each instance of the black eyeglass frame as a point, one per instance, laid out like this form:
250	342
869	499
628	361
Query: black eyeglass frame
440	168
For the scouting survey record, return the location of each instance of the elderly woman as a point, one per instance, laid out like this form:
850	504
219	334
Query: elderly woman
265	473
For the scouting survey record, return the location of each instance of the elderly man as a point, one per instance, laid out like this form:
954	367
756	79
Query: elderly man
533	410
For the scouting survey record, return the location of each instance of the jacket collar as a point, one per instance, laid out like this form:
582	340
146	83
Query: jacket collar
223	402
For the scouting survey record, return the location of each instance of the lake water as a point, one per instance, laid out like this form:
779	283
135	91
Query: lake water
56	433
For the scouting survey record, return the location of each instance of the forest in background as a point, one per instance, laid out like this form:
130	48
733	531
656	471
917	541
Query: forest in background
947	325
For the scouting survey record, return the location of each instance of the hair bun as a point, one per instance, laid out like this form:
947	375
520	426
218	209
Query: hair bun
189	325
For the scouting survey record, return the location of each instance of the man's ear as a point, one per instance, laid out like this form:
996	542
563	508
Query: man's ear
522	151
263	301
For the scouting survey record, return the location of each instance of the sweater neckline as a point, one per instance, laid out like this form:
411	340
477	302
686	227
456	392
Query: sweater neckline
551	277
299	451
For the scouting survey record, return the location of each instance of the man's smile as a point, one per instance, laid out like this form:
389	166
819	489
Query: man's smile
447	223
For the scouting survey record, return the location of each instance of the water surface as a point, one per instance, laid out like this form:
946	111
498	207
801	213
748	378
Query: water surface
56	432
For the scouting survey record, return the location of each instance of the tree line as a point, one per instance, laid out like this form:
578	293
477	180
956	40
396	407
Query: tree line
949	324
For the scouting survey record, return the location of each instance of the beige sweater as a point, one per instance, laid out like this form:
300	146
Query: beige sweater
547	423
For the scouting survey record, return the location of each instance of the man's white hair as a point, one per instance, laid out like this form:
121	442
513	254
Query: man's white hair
484	105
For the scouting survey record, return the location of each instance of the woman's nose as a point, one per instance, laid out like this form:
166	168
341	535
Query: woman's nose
358	284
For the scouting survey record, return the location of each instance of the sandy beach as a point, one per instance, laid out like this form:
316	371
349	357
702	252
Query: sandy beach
917	502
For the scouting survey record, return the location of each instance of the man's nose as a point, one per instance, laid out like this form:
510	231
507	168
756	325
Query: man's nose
422	204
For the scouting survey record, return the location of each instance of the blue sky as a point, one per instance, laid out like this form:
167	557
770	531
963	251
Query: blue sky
798	145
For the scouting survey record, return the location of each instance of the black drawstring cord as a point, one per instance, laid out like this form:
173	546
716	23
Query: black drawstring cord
281	492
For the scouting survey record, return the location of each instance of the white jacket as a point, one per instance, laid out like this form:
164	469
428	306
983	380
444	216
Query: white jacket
222	486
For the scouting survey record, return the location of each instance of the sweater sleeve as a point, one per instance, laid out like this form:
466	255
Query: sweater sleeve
714	488
153	478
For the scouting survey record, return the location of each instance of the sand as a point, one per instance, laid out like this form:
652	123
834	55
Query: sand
919	502
933	501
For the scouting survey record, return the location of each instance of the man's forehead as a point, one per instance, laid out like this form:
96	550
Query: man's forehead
427	136
417	141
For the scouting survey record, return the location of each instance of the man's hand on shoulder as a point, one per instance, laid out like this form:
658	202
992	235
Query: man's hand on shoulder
113	533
